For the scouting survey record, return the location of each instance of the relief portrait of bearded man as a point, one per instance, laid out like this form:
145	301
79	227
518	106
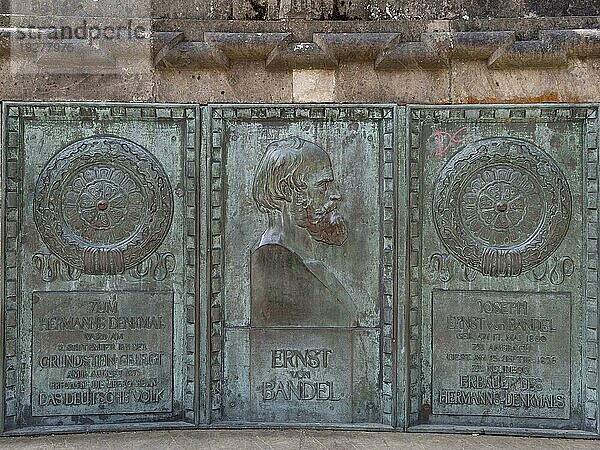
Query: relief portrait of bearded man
294	186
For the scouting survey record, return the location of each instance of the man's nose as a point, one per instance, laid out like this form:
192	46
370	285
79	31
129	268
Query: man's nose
334	193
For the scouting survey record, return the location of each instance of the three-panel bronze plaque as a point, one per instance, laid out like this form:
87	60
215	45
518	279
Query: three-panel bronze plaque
351	266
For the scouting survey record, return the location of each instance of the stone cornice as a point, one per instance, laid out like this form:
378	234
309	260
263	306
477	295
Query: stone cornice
387	51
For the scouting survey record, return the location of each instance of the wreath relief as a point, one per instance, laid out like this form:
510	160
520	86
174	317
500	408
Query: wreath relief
103	205
501	206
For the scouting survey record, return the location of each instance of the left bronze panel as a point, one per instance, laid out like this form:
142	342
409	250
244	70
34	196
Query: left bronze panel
100	267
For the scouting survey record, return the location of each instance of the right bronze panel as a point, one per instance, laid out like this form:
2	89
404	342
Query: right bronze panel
502	267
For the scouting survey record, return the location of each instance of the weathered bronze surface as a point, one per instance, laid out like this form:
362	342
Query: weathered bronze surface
503	293
372	266
99	267
302	264
501	354
295	186
102	353
501	206
103	205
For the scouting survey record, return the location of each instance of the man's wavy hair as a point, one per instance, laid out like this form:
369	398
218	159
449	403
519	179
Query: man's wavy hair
281	171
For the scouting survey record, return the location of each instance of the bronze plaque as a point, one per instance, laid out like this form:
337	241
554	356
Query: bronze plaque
99	223
102	352
305	377
501	353
503	249
353	266
302	264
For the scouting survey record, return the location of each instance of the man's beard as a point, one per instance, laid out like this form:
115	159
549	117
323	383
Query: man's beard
324	224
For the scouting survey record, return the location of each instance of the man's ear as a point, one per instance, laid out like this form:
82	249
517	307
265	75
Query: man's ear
285	190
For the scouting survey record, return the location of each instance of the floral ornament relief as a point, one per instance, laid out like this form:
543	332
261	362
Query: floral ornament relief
501	206
103	205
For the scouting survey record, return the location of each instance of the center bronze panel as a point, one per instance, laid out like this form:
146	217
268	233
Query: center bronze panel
302	264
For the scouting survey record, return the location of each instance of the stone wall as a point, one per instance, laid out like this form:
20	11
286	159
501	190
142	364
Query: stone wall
327	51
314	9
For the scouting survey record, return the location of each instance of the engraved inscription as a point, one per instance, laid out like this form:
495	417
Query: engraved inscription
102	353
294	186
103	205
501	354
501	206
308	376
299	363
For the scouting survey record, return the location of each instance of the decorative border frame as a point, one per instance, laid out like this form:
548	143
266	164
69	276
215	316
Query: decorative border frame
220	116
14	115
588	115
592	230
11	224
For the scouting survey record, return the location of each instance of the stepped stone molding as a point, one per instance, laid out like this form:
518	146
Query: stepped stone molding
389	51
435	50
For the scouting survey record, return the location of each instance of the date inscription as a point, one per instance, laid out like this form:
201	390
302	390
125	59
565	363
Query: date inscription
102	353
501	354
